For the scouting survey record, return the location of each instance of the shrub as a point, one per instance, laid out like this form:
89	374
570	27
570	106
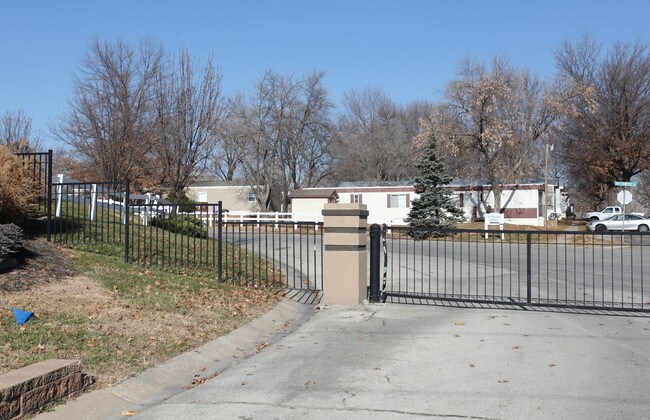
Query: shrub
183	225
185	204
11	239
17	191
569	213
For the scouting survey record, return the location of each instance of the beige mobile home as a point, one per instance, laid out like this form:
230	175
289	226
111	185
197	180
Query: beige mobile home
235	195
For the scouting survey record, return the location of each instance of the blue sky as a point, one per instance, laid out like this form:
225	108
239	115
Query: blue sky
409	48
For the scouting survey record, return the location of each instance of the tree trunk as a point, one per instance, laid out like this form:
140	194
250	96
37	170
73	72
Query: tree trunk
497	189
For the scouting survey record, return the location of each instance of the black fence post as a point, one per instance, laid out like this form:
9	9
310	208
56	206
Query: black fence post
375	244
48	202
529	263
126	224
220	243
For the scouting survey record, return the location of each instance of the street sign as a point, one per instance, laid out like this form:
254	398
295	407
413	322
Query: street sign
624	197
625	184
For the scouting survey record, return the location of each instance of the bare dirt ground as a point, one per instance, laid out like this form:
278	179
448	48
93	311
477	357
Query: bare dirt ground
39	263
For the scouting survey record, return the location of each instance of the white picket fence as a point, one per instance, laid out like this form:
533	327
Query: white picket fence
260	217
93	198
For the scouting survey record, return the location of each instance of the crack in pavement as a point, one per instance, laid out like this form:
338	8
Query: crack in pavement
357	409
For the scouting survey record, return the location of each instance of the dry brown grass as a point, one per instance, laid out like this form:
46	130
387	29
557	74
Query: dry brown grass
120	319
17	190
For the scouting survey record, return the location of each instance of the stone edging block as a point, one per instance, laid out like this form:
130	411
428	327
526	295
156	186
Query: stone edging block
31	387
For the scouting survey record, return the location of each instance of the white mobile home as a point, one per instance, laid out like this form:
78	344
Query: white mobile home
390	202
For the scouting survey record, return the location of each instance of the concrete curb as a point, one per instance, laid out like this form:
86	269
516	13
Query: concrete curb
188	369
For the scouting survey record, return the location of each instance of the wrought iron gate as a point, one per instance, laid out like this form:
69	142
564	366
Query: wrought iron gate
579	270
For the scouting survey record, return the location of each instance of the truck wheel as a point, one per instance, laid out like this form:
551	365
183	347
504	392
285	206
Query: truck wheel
643	228
601	228
593	219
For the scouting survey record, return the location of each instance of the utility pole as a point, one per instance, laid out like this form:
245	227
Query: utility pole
548	147
546	188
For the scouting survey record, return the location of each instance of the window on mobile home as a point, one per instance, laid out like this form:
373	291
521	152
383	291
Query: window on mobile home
398	201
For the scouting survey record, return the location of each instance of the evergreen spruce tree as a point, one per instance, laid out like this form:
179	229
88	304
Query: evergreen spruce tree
435	208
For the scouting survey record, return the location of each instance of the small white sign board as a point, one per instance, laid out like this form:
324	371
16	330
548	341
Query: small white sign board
494	219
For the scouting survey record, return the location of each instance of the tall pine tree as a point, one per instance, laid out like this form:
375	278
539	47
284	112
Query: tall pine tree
435	208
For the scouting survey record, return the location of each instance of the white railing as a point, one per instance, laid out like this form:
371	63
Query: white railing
259	217
388	220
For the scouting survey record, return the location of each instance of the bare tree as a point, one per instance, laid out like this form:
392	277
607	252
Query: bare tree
109	123
16	132
443	122
413	114
644	189
499	112
289	132
604	99
376	139
188	109
231	137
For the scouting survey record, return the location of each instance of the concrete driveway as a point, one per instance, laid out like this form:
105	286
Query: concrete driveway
405	361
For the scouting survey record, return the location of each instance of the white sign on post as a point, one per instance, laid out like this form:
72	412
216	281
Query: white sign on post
494	219
624	197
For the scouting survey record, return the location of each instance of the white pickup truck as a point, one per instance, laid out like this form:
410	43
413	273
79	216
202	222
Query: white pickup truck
603	214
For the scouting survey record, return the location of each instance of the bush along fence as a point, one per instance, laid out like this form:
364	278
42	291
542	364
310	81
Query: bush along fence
105	217
39	165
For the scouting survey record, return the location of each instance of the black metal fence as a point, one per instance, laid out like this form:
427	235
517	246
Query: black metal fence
90	214
39	165
534	268
106	217
287	252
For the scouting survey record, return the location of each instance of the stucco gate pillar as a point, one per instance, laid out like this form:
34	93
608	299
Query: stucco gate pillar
345	275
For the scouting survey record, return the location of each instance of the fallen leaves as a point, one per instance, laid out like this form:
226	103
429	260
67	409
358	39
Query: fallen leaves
122	323
198	380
